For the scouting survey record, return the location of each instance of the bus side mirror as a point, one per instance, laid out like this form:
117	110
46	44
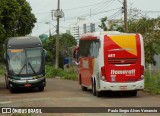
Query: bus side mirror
77	63
76	56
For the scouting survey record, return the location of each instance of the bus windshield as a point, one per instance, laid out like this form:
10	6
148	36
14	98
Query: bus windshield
25	61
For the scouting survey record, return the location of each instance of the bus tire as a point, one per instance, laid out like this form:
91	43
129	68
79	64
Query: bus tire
79	79
98	93
7	86
133	93
93	88
83	88
7	83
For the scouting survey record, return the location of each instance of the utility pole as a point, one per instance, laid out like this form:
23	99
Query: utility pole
57	39
125	15
58	14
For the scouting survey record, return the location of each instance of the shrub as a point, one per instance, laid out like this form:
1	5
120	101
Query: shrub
51	72
152	82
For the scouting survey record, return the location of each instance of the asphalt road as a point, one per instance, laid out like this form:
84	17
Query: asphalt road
66	93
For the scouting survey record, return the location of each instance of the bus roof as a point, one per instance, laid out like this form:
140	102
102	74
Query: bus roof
23	42
95	35
88	37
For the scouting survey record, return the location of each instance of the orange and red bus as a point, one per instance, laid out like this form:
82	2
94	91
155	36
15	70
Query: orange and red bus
111	61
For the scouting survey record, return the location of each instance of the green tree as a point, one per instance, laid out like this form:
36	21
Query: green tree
116	27
26	19
43	37
50	46
16	19
66	42
103	25
9	11
150	29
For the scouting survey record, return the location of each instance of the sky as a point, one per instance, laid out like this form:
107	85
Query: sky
90	9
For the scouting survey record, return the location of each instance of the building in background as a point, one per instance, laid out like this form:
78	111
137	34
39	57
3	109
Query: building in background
114	24
82	26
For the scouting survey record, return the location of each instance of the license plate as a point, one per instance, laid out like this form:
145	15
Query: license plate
123	87
27	85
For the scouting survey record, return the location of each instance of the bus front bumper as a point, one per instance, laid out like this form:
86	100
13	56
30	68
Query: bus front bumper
27	83
110	86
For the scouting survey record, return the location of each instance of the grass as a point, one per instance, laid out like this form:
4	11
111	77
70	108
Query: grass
152	82
69	74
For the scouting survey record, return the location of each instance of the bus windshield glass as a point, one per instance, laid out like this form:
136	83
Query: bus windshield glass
25	61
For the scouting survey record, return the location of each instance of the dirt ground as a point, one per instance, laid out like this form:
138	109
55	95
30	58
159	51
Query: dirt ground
66	93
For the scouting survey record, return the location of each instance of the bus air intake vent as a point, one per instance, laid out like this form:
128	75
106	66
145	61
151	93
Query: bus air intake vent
122	60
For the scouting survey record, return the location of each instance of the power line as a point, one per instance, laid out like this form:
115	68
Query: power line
99	7
96	8
150	11
116	14
86	5
93	13
120	1
42	13
106	6
48	30
76	7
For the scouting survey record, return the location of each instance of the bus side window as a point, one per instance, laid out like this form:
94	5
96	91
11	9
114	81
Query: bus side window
89	48
94	49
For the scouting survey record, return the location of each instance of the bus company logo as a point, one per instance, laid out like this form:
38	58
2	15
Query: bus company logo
111	55
6	110
126	72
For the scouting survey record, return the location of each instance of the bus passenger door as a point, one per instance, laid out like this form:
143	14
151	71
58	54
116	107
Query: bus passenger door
85	75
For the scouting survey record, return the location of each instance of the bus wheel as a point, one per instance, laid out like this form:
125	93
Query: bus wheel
93	88
7	84
133	93
41	88
83	88
98	93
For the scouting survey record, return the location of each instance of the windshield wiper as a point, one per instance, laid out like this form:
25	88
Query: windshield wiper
32	68
21	69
